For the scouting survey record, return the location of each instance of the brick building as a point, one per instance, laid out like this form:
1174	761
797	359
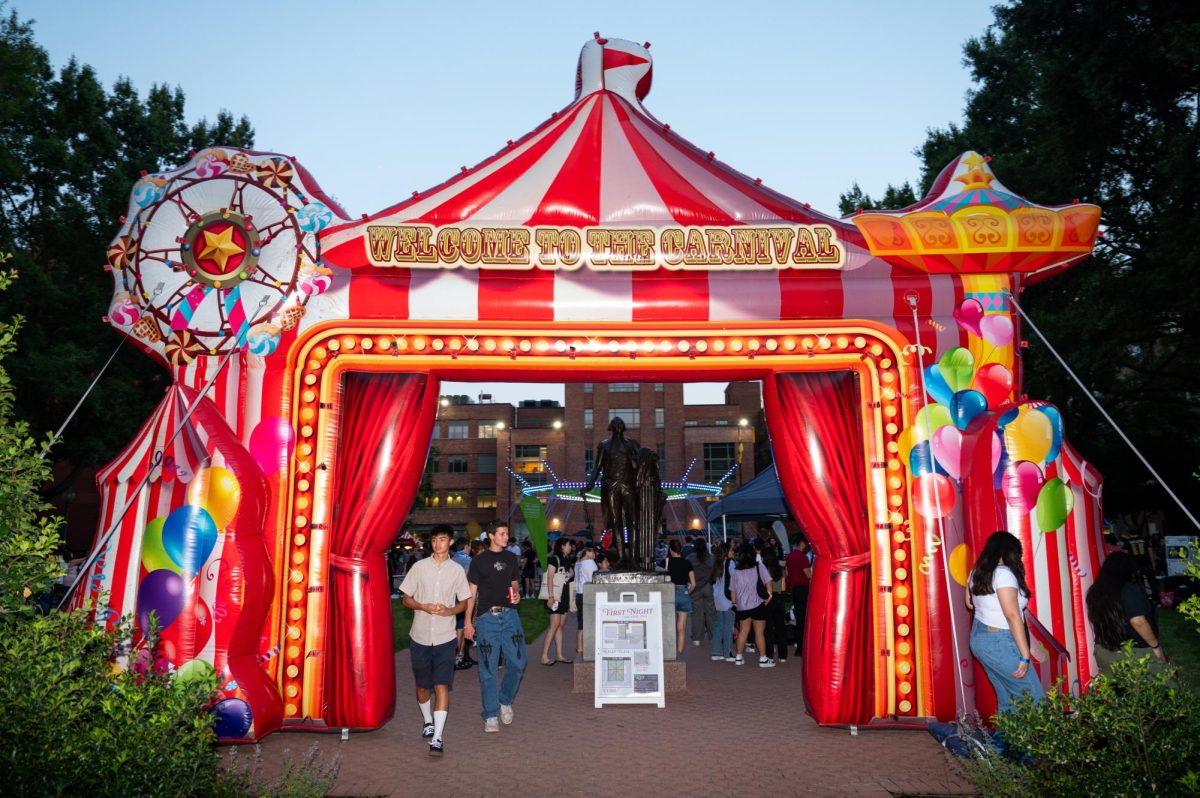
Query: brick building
475	443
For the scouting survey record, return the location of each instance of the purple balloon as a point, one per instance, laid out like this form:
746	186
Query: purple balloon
161	592
233	719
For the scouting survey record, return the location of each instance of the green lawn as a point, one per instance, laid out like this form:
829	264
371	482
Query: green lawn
1181	640
533	618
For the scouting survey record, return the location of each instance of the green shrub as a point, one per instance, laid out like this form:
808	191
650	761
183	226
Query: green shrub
71	723
1131	734
308	778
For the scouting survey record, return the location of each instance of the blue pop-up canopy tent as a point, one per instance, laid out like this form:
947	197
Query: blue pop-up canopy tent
760	499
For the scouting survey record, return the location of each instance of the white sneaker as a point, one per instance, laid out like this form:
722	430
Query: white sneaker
766	662
695	642
738	660
506	714
491	725
717	658
731	659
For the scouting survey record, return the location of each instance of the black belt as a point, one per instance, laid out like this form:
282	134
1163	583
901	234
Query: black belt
498	610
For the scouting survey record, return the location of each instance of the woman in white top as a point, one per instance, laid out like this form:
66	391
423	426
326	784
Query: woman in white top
997	593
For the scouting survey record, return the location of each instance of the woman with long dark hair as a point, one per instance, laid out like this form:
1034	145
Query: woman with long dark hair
722	635
559	575
751	608
683	576
702	597
1120	612
997	593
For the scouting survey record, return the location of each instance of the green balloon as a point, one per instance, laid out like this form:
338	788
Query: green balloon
957	367
193	670
1054	504
154	556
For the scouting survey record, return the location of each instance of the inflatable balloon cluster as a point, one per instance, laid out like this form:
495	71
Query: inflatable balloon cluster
175	580
1026	439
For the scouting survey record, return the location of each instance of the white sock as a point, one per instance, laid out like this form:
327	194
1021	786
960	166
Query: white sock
426	710
439	723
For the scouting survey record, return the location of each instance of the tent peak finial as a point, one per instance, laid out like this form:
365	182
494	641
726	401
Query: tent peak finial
617	65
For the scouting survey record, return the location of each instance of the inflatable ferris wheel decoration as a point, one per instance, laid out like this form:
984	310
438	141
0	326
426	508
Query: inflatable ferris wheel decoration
219	255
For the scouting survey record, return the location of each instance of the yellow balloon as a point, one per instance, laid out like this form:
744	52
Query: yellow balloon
960	563
1029	436
217	490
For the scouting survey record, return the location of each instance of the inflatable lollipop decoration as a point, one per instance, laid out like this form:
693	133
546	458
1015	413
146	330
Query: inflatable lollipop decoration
263	339
123	311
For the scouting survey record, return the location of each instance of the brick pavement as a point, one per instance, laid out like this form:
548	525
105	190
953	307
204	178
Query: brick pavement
560	745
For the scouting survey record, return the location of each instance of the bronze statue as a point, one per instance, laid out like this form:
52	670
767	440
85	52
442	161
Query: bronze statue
618	467
650	501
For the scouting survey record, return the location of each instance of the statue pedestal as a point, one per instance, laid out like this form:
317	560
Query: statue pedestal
614	584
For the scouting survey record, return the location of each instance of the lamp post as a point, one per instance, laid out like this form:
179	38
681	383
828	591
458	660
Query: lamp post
743	423
500	425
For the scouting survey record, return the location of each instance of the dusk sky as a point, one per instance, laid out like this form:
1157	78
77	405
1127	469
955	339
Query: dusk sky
379	99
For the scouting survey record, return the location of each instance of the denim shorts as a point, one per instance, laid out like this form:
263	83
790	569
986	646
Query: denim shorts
683	599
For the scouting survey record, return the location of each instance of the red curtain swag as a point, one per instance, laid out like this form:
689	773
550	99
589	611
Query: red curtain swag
384	435
816	435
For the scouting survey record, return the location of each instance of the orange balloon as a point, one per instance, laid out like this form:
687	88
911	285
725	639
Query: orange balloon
217	490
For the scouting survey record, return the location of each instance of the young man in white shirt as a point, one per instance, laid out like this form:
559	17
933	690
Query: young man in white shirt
436	590
585	569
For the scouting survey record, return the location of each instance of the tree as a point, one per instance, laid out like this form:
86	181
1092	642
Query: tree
894	198
70	152
1099	101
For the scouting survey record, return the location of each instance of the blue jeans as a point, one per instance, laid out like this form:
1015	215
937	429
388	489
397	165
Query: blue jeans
722	633
494	634
997	652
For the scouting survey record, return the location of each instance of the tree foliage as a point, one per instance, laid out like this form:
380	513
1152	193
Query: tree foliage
894	198
1099	101
70	151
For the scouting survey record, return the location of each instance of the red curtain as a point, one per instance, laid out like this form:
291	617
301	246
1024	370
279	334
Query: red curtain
386	425
816	434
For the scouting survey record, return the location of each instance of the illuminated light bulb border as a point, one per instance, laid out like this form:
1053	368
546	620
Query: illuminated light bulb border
330	345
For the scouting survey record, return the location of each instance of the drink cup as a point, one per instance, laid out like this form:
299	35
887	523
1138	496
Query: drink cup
513	598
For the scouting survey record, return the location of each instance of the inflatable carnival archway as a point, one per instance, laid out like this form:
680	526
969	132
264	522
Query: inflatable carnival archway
253	510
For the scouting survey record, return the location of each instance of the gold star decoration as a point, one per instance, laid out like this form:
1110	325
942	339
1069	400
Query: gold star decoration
220	247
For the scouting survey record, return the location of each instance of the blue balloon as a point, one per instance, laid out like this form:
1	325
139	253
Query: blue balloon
233	719
1056	423
1007	418
935	385
965	405
188	536
1002	465
921	460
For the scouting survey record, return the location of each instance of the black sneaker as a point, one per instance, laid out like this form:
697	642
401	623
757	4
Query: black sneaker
436	748
427	731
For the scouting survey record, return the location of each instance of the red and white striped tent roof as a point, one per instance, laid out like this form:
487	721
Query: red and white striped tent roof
156	446
602	160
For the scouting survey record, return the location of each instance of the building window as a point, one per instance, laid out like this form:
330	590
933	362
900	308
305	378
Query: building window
527	461
632	416
457	430
691	423
456	500
486	464
718	459
660	417
485	499
456	464
589	418
623	387
431	465
721	422
487	429
587	387
658	387
432	500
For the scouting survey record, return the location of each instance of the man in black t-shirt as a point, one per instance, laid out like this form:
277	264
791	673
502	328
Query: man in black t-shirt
493	623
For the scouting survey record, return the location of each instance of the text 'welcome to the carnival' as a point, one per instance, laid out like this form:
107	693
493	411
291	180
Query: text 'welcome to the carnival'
605	248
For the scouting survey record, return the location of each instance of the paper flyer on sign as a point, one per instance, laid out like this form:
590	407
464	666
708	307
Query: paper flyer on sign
629	658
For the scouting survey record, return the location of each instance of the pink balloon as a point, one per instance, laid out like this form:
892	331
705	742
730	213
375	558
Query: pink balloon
968	315
1022	483
947	448
933	495
997	450
995	382
271	443
997	330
